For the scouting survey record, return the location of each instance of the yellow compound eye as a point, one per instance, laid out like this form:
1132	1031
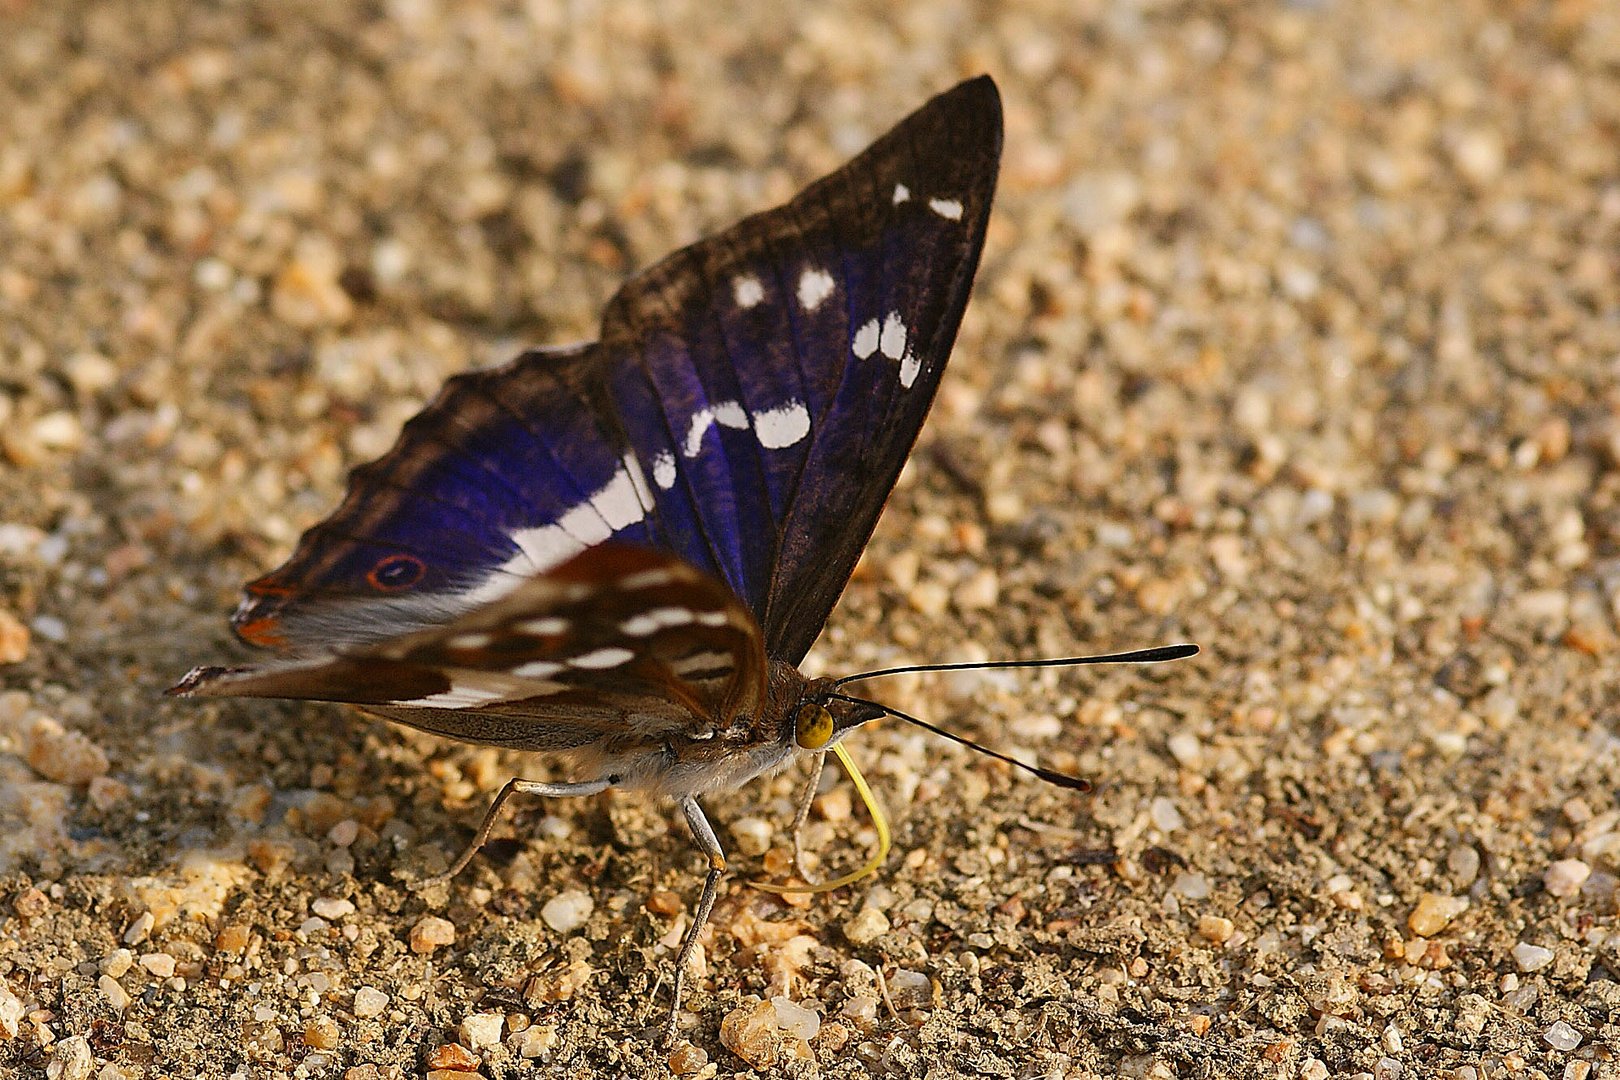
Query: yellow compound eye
812	727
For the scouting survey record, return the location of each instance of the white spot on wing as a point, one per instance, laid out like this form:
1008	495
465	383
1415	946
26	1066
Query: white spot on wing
664	470
537	669
650	622
893	341
638	481
950	209
901	194
815	285
610	657
866	340
702	421
702	661
457	697
646	579
782	426
541	626
910	364
619	502
541	548
470	641
747	290
713	618
727	413
584	524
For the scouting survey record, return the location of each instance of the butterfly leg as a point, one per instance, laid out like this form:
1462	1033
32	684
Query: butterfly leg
703	833
514	786
806	797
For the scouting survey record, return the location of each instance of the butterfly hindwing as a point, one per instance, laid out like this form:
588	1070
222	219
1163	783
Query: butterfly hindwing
616	640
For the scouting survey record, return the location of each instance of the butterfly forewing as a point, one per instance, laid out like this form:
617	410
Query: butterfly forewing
747	411
619	639
772	379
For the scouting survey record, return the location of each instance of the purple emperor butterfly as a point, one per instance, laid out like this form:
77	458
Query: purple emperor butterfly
620	551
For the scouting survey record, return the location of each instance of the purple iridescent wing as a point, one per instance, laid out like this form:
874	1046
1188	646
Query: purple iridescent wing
508	472
773	378
747	410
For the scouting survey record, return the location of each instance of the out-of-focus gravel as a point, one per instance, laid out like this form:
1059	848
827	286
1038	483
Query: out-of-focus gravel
1297	335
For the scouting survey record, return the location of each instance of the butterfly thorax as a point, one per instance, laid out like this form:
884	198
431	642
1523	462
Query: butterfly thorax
728	752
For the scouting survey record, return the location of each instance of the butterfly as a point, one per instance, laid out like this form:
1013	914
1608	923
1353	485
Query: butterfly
620	551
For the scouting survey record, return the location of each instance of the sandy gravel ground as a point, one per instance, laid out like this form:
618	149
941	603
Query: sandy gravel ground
1297	335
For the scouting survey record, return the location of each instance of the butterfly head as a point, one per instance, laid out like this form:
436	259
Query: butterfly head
821	718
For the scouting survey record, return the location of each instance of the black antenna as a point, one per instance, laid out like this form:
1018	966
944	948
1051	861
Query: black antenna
1155	655
1064	780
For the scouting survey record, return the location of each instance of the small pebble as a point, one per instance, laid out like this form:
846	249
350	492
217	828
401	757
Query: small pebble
1577	810
1434	912
795	1019
138	930
452	1056
867	926
11	1012
432	932
67	757
322	1033
50	628
560	985
1532	957
31	903
113	993
332	908
687	1059
536	1041
861	1011
1215	928
1186	749
158	964
1165	815
568	910
13	639
1192	885
344	833
929	598
750	1032
911	989
1565	877
369	1002
1004	507
58	431
980	591
1463	862
752	835
663	902
1560	1036
71	1060
482	1030
233	938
